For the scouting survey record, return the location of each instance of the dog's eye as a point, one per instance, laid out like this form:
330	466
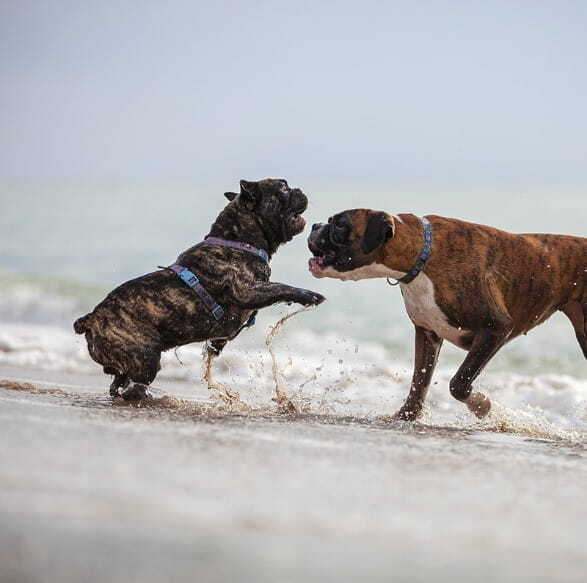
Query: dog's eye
274	203
338	233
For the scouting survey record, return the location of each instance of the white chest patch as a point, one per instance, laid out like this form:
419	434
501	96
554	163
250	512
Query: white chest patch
418	298
366	272
424	311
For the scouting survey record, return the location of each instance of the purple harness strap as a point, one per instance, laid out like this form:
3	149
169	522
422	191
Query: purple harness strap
238	245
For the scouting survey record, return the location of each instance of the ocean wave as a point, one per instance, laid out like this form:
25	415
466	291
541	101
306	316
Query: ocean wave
44	300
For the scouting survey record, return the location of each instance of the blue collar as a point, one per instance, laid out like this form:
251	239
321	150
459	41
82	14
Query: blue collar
425	254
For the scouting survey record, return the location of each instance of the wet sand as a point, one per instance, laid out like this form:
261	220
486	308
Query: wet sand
186	490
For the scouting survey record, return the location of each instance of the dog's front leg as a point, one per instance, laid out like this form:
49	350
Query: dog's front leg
428	346
266	294
215	346
485	345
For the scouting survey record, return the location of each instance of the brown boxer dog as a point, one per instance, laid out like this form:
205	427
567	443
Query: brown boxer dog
475	286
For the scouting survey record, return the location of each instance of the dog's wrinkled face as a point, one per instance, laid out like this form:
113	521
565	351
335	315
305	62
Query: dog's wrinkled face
277	207
348	241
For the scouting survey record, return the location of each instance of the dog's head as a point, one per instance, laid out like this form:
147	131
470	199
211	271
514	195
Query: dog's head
277	208
349	240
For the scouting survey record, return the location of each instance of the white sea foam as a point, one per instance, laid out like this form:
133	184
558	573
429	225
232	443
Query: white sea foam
43	300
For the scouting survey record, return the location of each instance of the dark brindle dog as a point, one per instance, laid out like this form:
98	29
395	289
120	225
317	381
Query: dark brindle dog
475	286
211	293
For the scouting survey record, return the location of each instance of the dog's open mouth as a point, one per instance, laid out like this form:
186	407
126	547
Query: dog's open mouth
319	261
317	264
295	224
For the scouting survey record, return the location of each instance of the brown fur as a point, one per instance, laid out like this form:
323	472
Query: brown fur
494	284
478	271
127	331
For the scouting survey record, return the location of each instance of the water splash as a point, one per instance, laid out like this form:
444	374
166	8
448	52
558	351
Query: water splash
281	397
528	422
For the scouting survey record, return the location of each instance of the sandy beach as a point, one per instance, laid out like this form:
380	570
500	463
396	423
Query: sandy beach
94	491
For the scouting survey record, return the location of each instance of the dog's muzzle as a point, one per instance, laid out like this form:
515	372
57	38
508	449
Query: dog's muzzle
317	243
295	222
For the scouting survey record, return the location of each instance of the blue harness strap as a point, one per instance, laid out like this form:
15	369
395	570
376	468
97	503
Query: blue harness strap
192	281
424	255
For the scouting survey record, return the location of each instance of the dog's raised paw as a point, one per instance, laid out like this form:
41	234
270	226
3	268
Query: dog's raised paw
311	298
478	404
317	299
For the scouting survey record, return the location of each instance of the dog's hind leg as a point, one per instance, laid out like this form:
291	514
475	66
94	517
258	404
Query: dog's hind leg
487	342
144	366
112	355
120	380
577	314
136	392
428	346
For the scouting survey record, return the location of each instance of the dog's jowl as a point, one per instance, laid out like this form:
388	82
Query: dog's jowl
475	286
211	293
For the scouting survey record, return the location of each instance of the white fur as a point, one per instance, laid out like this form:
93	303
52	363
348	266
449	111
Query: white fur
418	298
365	272
424	311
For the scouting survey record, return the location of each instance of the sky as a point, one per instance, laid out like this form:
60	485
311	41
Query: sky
412	95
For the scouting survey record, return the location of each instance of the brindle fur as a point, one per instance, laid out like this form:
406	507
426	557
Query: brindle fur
127	332
494	284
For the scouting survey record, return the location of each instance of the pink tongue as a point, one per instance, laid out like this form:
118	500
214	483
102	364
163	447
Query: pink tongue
316	262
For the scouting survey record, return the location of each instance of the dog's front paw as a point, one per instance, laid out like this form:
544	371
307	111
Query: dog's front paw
310	298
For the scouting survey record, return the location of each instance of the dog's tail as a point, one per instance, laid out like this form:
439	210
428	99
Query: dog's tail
82	324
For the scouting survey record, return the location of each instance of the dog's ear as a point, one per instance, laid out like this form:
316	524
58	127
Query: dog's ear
378	230
249	191
230	195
